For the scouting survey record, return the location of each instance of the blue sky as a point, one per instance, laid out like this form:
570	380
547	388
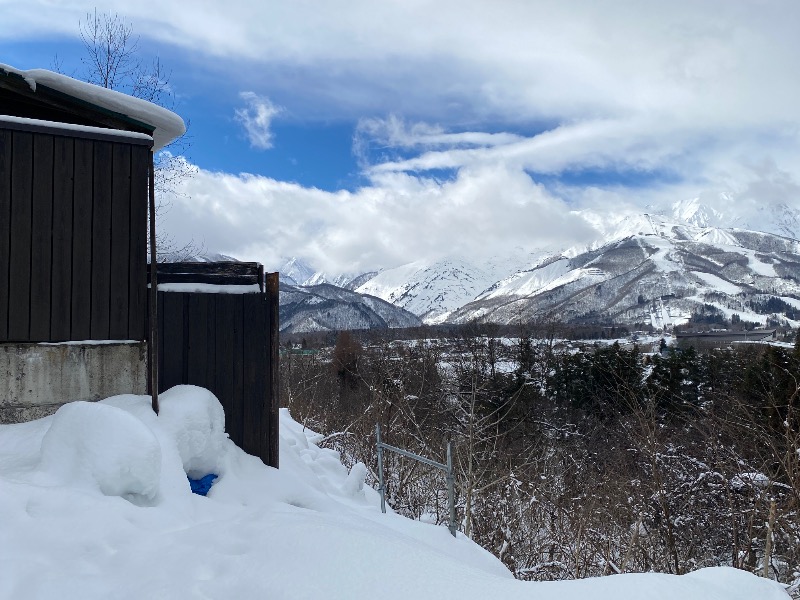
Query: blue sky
360	134
312	149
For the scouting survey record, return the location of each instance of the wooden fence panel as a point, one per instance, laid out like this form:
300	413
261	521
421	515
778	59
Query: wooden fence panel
254	368
172	340
225	360
237	400
197	343
226	343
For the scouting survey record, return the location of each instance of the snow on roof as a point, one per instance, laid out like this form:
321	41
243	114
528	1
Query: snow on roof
167	124
72	127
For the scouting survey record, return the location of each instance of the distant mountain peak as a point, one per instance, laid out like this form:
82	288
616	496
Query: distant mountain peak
693	212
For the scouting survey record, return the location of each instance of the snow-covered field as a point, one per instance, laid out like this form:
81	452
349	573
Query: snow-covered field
95	503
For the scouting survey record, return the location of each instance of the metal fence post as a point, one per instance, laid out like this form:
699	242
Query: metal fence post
451	488
448	469
381	488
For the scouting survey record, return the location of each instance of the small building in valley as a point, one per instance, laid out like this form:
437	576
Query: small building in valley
724	338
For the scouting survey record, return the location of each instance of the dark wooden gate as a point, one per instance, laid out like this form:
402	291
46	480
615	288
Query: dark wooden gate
226	341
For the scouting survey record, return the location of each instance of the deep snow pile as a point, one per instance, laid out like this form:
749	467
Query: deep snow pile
95	503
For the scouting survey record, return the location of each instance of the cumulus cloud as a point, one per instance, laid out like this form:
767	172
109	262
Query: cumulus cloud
399	218
256	118
516	99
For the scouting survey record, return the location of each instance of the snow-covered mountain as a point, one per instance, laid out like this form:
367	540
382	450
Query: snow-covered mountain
660	274
657	267
429	290
434	289
296	271
326	307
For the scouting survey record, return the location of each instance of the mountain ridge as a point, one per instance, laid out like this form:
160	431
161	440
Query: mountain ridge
644	268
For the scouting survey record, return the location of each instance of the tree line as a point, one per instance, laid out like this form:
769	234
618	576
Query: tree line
577	462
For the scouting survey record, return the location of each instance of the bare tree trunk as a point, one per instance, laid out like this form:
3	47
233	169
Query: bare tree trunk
768	546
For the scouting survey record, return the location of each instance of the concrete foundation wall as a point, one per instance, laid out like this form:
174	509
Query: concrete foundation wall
35	379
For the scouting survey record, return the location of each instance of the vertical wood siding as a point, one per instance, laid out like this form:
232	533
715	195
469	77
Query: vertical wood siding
73	234
227	343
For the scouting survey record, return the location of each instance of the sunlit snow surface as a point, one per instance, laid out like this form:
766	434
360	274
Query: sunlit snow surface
94	503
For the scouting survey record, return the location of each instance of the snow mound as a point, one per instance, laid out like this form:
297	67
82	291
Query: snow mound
194	419
102	447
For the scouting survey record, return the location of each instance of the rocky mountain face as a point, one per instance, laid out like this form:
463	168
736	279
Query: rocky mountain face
430	290
326	307
659	277
648	268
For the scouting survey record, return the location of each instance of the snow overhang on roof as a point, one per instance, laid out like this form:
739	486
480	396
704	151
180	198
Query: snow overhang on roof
165	124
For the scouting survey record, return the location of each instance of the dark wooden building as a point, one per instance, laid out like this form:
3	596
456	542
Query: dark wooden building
73	212
75	194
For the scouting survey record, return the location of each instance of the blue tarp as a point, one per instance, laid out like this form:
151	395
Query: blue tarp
202	485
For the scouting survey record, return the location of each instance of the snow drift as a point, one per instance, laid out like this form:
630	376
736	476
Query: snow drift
95	503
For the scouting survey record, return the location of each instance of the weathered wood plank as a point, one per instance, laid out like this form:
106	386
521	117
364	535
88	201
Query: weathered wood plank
172	333
61	279
210	327
237	397
137	287
120	242
271	414
212	279
5	228
19	283
225	360
41	237
218	268
82	240
197	347
101	241
162	346
254	374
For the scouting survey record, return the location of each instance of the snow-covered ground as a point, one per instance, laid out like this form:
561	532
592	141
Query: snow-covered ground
95	503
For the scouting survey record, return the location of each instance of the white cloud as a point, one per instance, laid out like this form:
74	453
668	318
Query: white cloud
394	131
510	60
704	92
256	118
491	205
400	218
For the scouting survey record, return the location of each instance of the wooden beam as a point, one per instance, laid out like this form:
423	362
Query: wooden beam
153	356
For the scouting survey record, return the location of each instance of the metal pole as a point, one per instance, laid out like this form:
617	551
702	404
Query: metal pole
380	467
450	489
153	355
